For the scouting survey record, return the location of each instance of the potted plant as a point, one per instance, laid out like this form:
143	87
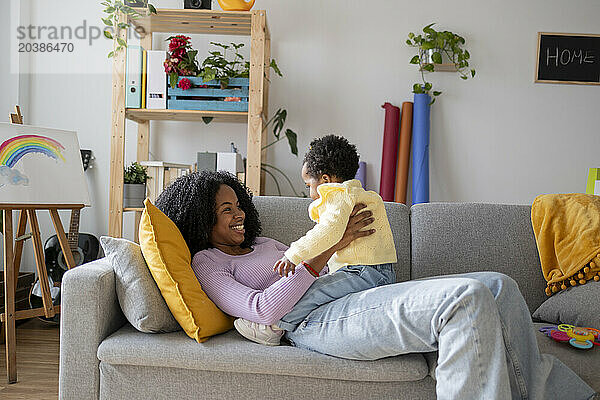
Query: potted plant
441	49
134	188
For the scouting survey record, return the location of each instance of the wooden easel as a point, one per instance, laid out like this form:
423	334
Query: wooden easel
13	249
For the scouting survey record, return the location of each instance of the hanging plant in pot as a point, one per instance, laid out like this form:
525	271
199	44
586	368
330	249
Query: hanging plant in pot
134	188
436	51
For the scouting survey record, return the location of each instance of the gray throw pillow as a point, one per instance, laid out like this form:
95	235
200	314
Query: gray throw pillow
576	305
139	297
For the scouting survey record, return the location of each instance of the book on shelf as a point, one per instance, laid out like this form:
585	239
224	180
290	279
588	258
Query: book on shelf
593	182
133	77
156	80
144	74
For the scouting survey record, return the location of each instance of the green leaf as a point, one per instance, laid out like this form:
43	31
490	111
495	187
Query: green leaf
292	140
463	77
275	67
123	25
436	93
427	86
436	57
415	60
428	29
173	78
107	21
428	46
108	34
207	120
121	42
152	9
411	35
111	54
432	101
467	55
408	42
417	88
279	121
472	73
109	10
428	67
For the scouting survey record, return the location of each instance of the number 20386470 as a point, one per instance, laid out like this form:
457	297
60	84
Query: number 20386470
43	47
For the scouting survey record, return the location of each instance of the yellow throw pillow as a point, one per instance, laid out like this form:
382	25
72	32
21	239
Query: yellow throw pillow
169	261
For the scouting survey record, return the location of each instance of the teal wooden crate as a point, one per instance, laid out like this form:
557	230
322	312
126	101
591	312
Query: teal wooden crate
209	98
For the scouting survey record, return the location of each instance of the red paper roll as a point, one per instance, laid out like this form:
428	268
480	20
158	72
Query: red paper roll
389	152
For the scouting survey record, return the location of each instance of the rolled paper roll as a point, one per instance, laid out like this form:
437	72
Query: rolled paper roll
580	275
548	291
582	282
586	269
592	264
389	154
563	286
420	148
554	289
572	282
361	174
597	278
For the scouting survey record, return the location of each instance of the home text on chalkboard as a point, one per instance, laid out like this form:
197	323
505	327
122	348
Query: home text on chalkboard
568	58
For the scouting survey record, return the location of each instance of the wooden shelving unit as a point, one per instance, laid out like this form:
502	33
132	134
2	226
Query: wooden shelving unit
248	23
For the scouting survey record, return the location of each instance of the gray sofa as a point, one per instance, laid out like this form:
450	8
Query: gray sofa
103	356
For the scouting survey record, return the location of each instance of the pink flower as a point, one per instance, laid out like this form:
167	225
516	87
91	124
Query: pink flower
184	84
233	99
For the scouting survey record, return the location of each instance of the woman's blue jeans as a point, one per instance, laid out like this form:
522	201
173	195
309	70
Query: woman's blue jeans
479	323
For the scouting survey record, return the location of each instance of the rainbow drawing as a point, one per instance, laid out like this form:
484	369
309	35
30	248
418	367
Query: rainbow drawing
13	149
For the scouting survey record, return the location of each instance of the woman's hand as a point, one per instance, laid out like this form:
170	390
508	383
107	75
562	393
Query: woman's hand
284	266
357	221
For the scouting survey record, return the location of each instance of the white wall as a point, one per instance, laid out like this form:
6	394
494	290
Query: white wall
496	138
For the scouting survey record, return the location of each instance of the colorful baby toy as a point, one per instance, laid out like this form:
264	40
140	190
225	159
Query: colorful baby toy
581	338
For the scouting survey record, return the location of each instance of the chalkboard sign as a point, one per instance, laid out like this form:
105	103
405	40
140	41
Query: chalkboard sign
568	58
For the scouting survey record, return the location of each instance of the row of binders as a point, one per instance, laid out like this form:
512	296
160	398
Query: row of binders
146	78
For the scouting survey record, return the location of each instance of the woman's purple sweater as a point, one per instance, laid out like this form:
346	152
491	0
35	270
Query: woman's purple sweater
246	286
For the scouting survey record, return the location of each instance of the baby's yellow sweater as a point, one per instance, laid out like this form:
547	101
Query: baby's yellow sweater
331	213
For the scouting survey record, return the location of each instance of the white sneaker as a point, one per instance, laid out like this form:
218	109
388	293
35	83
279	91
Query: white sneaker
269	335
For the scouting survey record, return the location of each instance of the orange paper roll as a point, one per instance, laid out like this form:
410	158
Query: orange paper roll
403	152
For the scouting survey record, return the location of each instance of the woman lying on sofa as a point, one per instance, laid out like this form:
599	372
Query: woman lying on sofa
478	322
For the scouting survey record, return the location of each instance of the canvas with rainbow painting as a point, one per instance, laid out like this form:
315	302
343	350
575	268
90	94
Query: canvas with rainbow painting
40	166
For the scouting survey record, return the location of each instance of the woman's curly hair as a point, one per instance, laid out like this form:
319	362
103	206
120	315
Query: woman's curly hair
190	203
332	155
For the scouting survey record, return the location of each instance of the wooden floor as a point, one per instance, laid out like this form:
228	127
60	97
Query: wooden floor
37	363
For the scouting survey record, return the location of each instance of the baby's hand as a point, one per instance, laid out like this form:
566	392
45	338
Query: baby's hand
283	266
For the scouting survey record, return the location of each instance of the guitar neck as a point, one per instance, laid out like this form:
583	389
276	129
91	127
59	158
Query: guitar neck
73	235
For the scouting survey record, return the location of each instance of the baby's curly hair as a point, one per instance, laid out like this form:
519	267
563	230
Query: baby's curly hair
190	203
332	155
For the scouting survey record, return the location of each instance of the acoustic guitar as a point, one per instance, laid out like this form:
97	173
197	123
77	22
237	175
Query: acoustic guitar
85	247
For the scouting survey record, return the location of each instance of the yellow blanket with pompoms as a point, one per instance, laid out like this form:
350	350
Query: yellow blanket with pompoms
567	232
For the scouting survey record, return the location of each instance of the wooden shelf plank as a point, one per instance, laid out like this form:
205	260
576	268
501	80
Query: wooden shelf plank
133	209
143	114
195	21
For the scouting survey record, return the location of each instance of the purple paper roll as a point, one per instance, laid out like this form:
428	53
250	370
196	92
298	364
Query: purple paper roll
361	174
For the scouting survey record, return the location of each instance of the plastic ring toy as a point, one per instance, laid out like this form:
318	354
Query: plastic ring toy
560	336
580	334
581	344
594	332
565	327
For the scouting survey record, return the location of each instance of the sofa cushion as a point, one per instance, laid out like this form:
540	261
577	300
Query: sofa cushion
169	261
575	305
452	238
294	211
139	297
230	352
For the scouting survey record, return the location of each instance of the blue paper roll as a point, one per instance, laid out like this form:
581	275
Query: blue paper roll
420	145
361	174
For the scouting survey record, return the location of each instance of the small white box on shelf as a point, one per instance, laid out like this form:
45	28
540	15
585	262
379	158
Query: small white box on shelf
156	86
230	162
